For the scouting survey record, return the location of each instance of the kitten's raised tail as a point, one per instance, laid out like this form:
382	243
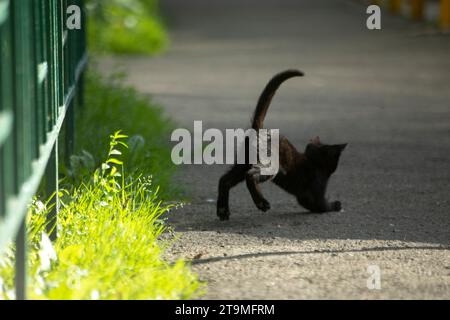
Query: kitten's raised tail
269	91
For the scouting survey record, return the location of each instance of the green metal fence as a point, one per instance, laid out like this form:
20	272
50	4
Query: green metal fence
41	67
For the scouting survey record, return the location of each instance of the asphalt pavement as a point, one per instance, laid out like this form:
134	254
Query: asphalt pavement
384	92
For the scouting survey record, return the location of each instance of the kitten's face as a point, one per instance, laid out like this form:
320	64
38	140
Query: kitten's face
324	156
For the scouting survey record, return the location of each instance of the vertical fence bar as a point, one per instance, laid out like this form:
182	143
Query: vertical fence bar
53	63
21	263
69	66
33	108
59	36
51	172
52	191
25	143
69	132
7	171
40	64
81	50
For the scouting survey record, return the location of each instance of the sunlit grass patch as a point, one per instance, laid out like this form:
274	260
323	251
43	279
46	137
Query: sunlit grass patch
108	244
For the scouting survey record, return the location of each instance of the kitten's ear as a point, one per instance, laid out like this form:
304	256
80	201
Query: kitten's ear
316	140
342	146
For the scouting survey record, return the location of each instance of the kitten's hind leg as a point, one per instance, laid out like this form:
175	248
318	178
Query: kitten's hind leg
253	179
318	203
226	182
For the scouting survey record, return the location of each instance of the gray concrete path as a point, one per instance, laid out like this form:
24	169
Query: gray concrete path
386	93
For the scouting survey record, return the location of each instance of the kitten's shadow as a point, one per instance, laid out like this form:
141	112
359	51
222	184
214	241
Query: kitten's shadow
304	213
249	223
301	224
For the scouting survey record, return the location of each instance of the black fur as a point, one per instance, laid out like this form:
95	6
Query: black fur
304	175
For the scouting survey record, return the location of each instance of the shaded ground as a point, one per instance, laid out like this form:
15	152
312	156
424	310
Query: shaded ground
385	92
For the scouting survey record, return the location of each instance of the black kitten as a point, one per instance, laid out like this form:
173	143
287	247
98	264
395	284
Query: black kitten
304	175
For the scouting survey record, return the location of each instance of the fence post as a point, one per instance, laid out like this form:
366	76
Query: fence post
69	132
21	262
51	184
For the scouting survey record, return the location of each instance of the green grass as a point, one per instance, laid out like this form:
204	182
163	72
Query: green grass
111	225
112	218
109	244
125	26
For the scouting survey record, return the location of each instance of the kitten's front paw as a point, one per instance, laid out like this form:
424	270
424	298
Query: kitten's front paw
263	205
337	206
223	214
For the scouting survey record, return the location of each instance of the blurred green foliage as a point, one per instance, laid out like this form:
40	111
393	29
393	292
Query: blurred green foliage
125	26
110	105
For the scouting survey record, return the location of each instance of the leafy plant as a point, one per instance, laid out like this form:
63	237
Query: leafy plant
109	242
107	100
